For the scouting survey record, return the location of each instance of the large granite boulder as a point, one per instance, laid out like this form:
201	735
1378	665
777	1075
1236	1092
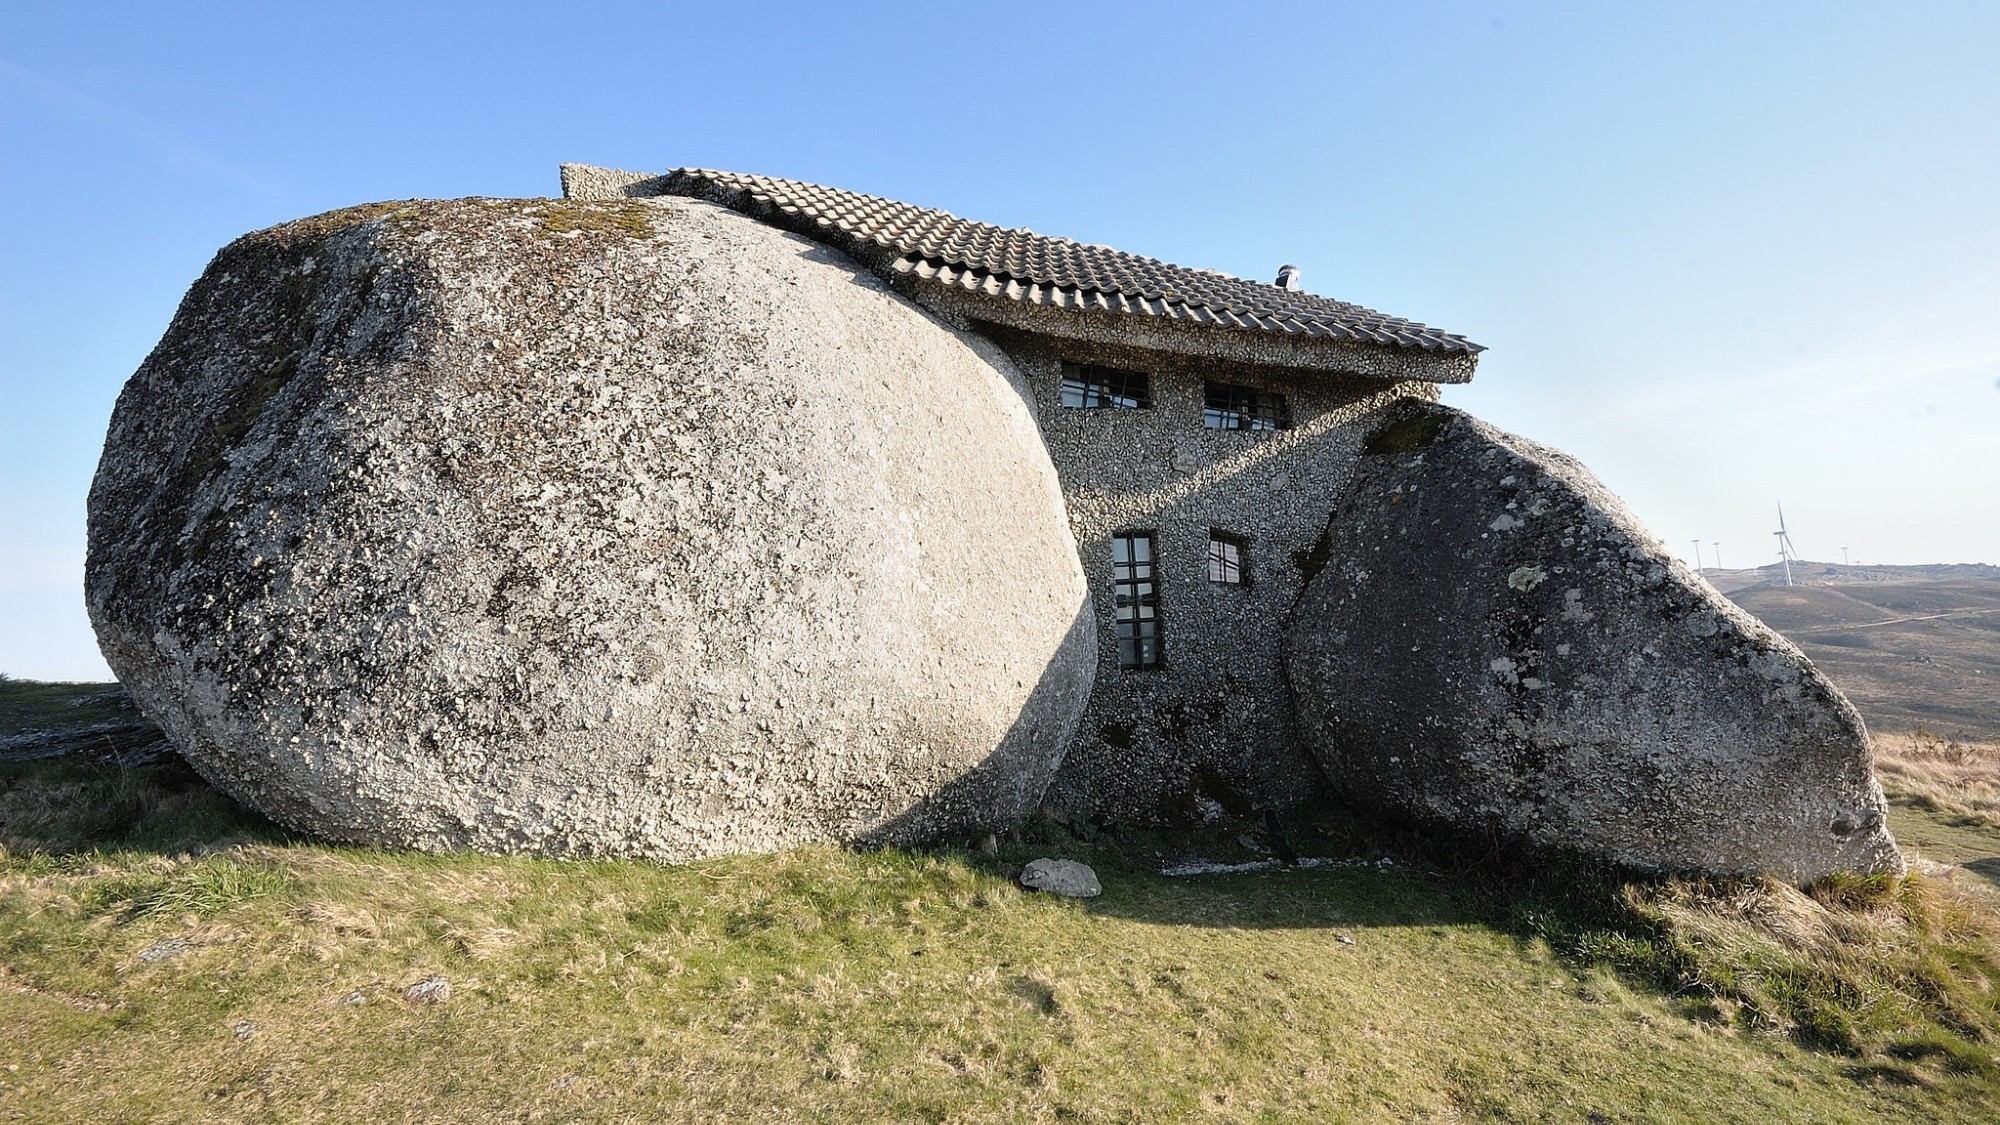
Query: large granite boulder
1498	645
631	527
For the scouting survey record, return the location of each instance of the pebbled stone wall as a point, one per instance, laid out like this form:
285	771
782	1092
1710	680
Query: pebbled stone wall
1499	646
630	527
1213	725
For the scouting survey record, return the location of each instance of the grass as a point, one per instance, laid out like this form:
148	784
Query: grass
186	960
95	721
629	218
32	705
1954	775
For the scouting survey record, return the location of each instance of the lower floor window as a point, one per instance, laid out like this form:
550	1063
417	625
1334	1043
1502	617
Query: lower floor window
1228	560
1137	597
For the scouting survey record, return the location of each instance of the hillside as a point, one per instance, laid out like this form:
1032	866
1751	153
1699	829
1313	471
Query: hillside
166	954
1909	645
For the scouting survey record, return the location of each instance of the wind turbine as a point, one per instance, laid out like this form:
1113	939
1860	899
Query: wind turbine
1785	551
1697	556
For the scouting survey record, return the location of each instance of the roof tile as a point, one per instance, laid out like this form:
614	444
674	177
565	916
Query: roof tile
1021	265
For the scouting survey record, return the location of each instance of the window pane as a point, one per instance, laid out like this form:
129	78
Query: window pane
1090	387
1225	559
1136	600
1230	407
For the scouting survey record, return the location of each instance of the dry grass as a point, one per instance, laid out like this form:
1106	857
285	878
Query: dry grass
1956	775
165	955
237	975
1882	967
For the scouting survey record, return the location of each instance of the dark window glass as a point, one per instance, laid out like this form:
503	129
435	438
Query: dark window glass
1138	600
1230	407
1088	387
1228	561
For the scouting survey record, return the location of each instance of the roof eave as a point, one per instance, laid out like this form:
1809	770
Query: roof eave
1318	354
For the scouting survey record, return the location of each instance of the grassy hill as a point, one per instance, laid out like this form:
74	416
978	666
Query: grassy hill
167	955
1910	645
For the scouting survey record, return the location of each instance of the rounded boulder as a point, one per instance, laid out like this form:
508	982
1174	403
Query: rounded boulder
633	527
1499	646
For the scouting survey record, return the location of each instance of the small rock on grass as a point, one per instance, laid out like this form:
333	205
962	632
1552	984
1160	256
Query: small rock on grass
430	990
165	948
1065	877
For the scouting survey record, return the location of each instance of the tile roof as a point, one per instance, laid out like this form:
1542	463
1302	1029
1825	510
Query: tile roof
938	247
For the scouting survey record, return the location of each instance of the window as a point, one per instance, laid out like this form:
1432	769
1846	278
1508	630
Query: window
1086	386
1230	407
1228	560
1138	600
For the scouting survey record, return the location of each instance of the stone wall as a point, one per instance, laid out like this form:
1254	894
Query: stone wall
1214	723
591	183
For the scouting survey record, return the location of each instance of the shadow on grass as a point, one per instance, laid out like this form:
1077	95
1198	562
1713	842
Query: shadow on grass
1353	871
1987	870
76	806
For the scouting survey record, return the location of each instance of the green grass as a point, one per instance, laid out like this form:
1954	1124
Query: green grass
63	806
29	705
178	958
623	217
78	720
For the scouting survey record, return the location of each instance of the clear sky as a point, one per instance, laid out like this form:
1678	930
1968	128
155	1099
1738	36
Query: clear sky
1727	254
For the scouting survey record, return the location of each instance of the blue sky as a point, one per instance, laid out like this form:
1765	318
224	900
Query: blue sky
1728	255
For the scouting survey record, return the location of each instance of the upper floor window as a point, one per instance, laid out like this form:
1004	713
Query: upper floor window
1089	386
1137	597
1230	407
1228	560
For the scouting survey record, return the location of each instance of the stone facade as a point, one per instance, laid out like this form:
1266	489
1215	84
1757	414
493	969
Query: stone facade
1211	723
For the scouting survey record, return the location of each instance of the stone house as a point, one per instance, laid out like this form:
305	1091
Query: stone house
1199	424
705	513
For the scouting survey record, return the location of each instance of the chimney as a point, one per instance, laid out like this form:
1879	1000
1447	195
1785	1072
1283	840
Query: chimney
1288	278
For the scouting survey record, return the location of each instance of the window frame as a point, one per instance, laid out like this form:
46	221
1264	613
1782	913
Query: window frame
1093	386
1231	543
1135	599
1233	406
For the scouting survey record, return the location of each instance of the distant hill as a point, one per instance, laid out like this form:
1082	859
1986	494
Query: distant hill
1908	644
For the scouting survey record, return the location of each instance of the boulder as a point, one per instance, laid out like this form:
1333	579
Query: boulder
1063	877
633	527
1498	645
